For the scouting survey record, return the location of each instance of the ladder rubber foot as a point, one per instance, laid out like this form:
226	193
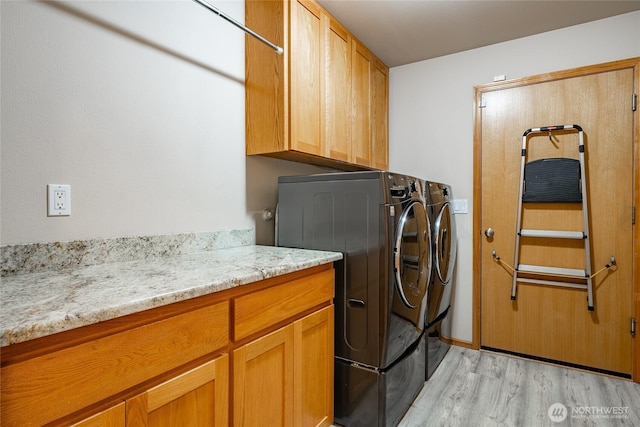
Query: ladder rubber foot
591	308
513	298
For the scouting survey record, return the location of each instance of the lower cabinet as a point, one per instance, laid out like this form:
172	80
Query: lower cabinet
286	377
263	381
313	369
112	417
172	366
199	397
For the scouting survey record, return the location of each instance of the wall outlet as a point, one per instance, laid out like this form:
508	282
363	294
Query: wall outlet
58	200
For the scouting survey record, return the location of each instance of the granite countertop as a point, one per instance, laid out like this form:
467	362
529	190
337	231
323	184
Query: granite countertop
38	304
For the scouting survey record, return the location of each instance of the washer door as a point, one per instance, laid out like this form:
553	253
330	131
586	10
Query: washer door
413	255
445	244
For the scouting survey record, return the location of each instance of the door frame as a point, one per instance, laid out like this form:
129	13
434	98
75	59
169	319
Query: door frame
633	63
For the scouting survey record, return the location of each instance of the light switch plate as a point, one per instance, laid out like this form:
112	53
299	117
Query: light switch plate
459	206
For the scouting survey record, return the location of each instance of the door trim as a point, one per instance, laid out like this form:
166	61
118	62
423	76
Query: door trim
479	90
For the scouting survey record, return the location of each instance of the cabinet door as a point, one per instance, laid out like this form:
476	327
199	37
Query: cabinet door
112	417
380	115
337	119
263	381
313	369
361	92
307	80
199	397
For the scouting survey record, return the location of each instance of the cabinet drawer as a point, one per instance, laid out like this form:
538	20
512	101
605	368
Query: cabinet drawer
45	388
259	310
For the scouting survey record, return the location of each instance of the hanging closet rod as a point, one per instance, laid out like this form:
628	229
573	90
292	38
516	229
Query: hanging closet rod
221	14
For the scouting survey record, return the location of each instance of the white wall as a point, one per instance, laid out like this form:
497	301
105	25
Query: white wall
139	106
431	115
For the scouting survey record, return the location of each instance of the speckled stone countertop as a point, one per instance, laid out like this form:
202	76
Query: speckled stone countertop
37	304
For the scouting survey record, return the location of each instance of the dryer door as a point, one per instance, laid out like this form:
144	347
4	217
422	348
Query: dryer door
445	243
412	255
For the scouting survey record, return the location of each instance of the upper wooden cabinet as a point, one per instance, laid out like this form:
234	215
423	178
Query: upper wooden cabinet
324	101
380	115
338	130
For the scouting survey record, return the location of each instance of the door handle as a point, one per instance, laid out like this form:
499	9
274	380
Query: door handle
489	232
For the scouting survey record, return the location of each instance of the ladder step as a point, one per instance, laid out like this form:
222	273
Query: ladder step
571	272
553	233
554	283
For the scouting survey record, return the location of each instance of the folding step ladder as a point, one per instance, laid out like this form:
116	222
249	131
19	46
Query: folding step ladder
559	180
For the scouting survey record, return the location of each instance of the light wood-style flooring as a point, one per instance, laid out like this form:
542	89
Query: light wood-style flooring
478	388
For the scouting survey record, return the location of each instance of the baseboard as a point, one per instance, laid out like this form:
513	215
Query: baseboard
588	369
458	343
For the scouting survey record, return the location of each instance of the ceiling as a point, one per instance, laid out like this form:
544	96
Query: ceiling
404	31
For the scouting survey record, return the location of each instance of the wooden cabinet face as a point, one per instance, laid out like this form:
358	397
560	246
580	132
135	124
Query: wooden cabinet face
306	77
263	381
323	102
338	109
361	92
313	380
62	382
112	417
380	116
197	398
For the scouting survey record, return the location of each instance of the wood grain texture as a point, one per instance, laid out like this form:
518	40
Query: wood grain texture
548	321
380	115
198	397
68	380
636	228
267	92
313	369
478	388
263	381
480	91
112	417
281	302
361	96
325	101
338	114
307	78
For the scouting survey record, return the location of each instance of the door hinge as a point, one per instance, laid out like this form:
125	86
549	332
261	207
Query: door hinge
634	102
483	103
633	215
633	327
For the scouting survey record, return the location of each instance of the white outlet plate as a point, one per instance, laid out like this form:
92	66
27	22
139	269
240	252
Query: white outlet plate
58	200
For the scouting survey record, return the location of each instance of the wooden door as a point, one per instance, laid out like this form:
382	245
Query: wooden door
337	117
313	369
551	322
199	397
307	76
361	92
380	116
263	381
